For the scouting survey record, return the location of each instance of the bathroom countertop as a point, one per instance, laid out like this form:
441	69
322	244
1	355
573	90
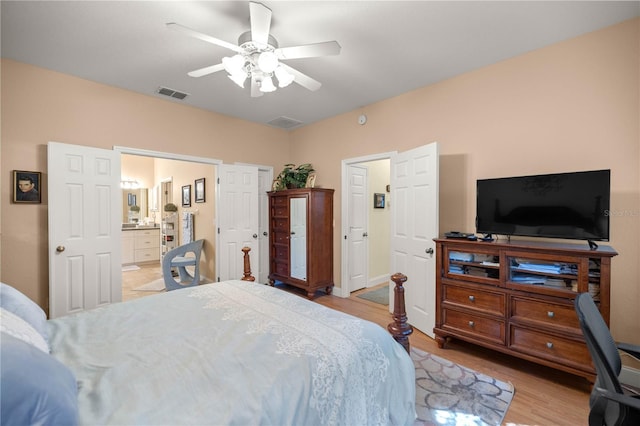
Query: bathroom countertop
138	227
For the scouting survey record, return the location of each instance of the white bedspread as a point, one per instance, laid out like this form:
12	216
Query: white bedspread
233	353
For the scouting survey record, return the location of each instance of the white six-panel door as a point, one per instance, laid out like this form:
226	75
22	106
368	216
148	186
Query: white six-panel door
357	237
238	224
414	225
84	228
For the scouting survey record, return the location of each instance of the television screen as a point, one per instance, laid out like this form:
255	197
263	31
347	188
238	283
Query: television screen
562	205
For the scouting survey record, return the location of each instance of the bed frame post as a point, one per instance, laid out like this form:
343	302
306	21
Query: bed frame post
399	328
247	265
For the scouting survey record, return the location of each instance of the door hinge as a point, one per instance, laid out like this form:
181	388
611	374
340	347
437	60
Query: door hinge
218	230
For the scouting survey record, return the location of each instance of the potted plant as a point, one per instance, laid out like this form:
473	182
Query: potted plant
293	177
170	207
134	209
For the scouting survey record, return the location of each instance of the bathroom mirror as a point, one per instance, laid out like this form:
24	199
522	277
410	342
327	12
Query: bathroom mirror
134	197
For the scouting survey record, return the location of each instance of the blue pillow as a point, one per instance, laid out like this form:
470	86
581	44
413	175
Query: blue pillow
14	301
36	388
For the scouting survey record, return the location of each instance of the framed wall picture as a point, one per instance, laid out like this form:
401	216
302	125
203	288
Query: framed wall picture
186	196
378	201
199	195
27	187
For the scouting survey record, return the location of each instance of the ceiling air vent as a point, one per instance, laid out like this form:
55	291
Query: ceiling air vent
172	93
284	123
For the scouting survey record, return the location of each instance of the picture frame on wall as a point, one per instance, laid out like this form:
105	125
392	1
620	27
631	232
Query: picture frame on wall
378	201
186	196
199	188
27	187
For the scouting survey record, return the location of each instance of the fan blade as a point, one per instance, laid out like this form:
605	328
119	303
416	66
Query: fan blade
260	16
255	87
326	48
302	79
206	70
203	37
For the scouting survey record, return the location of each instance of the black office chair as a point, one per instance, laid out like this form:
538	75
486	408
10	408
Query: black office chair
611	403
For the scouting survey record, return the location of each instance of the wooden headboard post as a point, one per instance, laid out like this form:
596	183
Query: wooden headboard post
399	328
247	265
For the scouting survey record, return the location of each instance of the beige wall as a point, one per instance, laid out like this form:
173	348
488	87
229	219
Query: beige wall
570	106
185	173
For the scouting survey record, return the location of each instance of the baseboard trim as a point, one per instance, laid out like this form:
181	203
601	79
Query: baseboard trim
380	279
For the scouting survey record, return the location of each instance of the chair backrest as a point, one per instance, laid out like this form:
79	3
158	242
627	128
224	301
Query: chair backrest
605	356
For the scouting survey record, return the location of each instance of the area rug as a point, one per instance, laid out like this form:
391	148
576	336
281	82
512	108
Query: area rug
155	285
450	394
130	268
379	295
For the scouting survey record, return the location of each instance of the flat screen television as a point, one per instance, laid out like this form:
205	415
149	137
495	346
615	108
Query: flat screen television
562	205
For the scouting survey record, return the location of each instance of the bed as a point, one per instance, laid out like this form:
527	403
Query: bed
233	352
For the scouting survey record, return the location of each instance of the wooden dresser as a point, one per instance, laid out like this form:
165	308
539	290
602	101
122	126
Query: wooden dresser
517	297
301	238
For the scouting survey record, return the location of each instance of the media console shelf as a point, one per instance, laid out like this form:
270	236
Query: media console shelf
517	297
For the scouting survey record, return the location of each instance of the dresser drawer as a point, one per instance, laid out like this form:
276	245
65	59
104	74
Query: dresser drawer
147	255
485	301
282	268
552	314
281	225
548	346
486	328
281	253
143	242
280	201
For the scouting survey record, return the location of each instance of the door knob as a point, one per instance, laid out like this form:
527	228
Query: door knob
429	251
60	249
293	233
265	233
365	234
255	236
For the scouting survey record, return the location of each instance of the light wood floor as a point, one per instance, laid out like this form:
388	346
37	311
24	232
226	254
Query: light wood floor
543	396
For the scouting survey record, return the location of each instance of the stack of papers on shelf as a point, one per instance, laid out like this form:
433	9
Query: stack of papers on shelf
547	268
527	279
477	272
456	269
463	257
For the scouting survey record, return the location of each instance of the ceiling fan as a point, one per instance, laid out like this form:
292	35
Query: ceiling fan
258	56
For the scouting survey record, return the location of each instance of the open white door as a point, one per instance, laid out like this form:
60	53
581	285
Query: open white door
265	181
237	220
414	225
357	242
84	228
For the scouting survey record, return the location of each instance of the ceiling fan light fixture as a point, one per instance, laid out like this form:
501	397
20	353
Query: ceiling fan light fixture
266	85
267	62
284	78
238	78
233	64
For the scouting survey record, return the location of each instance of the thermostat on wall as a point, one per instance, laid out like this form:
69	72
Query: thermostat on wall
362	119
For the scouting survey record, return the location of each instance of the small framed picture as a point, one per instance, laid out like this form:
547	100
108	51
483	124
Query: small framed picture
27	187
186	196
199	186
378	201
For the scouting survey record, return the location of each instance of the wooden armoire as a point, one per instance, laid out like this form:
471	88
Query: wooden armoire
301	238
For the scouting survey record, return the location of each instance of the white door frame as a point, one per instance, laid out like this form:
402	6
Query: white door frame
178	157
344	291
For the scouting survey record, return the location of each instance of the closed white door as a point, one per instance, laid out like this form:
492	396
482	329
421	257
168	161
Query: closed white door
265	179
357	241
237	219
298	230
84	228
414	225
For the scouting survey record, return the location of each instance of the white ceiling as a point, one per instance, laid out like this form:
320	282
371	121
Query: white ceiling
388	47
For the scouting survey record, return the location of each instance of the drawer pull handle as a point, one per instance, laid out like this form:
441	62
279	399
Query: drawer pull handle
472	298
472	324
549	345
550	314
